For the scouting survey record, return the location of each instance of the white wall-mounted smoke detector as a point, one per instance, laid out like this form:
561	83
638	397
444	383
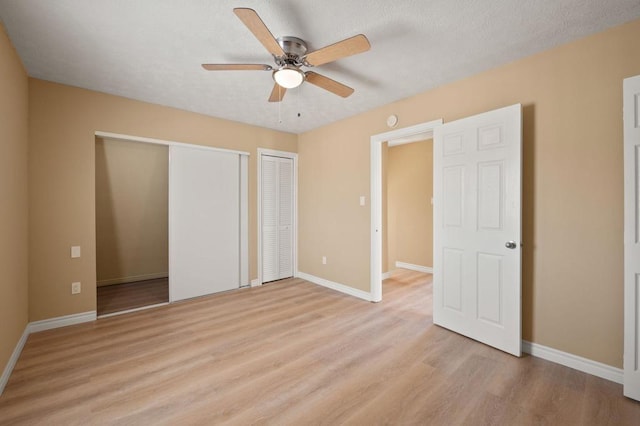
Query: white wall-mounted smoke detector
392	120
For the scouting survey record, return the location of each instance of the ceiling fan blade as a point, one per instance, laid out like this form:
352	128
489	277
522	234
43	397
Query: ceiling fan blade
328	84
237	67
342	49
252	21
277	93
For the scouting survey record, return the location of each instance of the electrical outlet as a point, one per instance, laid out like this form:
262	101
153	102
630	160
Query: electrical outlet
324	260
75	252
76	288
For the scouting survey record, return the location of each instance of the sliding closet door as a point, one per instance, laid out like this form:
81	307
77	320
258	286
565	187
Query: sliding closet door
277	218
204	222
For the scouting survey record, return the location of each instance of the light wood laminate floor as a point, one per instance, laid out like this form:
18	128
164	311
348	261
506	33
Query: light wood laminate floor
293	353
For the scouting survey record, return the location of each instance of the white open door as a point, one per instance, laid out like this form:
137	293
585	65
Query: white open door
477	227
205	200
632	237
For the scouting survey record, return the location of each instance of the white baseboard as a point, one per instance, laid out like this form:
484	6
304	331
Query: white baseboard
8	369
132	279
386	275
34	327
64	321
365	295
412	267
573	361
255	283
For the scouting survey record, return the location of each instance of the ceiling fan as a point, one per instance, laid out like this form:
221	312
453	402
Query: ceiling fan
290	54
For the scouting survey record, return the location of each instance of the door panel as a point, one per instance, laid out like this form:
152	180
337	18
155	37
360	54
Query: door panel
269	219
477	209
490	288
285	217
490	195
452	275
453	196
632	237
269	254
204	222
285	249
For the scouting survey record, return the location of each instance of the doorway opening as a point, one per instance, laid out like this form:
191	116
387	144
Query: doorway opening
419	132
407	203
132	260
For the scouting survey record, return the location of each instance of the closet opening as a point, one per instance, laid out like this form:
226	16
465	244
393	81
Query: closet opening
132	229
172	221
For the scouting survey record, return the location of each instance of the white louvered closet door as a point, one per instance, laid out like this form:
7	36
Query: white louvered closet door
277	218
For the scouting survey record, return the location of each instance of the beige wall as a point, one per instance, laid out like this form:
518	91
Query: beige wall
13	198
62	123
132	211
572	219
409	177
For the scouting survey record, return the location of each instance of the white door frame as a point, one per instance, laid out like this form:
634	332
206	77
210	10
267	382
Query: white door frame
283	154
631	121
409	134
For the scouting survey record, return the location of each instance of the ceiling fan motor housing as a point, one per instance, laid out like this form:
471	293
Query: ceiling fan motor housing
294	48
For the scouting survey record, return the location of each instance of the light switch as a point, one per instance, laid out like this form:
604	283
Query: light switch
75	251
362	199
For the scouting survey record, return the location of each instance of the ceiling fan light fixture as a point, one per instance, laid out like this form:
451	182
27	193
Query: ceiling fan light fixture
288	77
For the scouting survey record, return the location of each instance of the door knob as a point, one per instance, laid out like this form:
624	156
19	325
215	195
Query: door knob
510	245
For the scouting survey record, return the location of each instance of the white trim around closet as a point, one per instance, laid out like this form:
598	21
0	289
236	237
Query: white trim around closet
129	138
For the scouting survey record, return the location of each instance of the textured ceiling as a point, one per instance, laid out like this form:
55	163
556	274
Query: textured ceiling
151	50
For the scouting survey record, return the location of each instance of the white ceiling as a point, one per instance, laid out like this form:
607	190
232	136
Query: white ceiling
151	50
